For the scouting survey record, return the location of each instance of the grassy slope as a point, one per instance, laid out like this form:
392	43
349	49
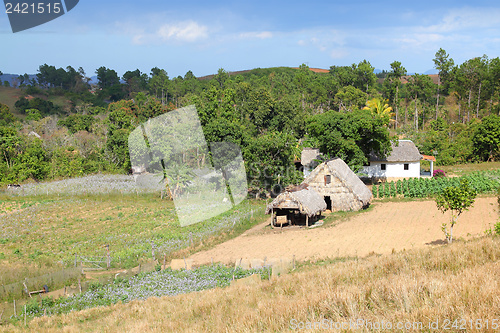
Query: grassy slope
10	95
38	232
447	283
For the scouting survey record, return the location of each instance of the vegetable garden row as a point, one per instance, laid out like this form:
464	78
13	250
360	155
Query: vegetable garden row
482	182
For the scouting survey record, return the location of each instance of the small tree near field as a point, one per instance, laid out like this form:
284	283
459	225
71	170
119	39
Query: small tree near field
458	200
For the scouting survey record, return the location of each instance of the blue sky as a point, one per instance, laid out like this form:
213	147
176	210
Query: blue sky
204	36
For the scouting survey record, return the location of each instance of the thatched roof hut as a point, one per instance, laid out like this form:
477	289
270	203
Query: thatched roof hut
340	187
302	198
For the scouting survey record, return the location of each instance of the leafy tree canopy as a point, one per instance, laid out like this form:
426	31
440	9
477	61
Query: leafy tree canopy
350	136
486	139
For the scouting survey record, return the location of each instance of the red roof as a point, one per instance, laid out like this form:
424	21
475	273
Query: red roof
428	158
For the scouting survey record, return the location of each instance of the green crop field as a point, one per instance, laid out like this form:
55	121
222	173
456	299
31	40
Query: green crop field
40	233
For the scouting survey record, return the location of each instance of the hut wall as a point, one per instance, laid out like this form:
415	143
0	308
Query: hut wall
341	197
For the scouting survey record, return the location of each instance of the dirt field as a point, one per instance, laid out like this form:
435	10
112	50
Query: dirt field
386	227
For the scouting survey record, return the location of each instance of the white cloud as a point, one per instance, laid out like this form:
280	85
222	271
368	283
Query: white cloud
256	35
187	31
339	54
466	19
420	39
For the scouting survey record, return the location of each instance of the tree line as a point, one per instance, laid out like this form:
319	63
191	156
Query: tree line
270	113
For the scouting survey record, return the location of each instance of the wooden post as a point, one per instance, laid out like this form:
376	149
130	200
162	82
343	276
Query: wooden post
26	288
15	312
108	262
307	220
153	250
76	259
164	261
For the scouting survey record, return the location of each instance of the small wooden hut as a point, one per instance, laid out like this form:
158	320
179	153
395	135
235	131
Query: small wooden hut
341	189
296	204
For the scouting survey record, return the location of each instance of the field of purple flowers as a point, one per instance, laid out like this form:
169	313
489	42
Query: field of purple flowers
154	284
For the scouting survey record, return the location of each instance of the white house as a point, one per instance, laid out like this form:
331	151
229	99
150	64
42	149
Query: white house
403	162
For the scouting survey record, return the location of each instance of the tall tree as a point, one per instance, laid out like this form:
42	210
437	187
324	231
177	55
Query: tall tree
444	64
135	81
420	87
107	77
397	71
486	139
159	84
344	75
365	77
469	79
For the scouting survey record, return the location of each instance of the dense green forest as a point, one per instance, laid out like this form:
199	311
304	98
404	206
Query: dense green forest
62	126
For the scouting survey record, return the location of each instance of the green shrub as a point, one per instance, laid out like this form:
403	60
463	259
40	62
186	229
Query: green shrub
497	228
498	196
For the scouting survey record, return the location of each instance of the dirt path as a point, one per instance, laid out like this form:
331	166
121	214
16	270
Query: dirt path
388	226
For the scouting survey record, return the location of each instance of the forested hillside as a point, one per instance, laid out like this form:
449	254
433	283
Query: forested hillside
62	126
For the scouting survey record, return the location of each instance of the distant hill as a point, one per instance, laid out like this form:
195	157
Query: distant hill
11	78
255	71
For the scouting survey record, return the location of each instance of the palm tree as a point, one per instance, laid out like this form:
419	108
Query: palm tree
380	108
177	178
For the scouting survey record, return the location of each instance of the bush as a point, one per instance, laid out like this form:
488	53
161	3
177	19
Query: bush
498	196
438	173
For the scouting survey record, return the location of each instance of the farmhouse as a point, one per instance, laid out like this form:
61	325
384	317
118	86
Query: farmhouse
403	162
296	205
341	189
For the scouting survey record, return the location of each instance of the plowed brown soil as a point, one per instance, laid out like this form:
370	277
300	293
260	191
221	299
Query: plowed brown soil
387	227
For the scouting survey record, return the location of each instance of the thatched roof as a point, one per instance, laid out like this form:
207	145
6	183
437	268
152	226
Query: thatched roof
406	151
303	198
308	155
339	169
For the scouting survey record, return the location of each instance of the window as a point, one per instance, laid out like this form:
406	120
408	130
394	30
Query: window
382	166
328	179
406	166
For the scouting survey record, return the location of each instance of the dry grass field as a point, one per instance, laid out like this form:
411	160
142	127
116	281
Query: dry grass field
453	287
